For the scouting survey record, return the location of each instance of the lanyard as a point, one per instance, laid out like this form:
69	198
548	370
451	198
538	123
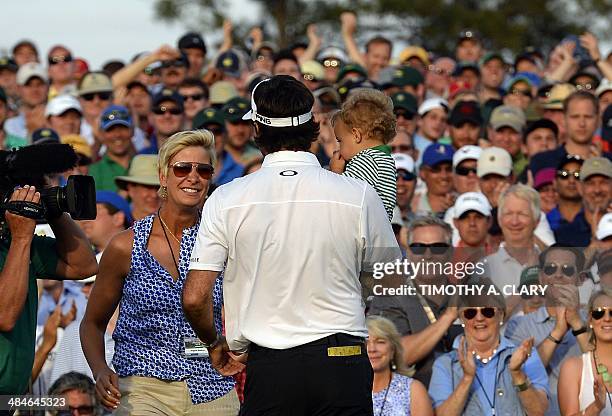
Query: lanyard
430	315
491	404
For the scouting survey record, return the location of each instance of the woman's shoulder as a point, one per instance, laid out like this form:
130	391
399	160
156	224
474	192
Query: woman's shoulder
122	242
573	365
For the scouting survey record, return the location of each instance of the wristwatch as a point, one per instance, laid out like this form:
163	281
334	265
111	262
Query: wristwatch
212	344
553	339
523	386
579	331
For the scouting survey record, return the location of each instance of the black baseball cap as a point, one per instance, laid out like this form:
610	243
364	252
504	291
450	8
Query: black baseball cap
192	40
465	112
542	123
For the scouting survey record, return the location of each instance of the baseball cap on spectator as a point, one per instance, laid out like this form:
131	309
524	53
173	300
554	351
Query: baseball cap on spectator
569	158
142	171
542	123
8	63
80	66
431	104
532	78
515	79
221	92
467	152
264	45
596	166
465	112
234	109
508	116
530	276
557	95
80	146
604	86
168	95
329	98
464	66
606	124
414	52
62	103
229	62
472	201
458	87
588	71
468	34
351	69
29	71
489	56
253	79
604	227
405	101
332	52
115	115
313	69
403	161
206	117
437	153
405	75
494	160
95	82
137	84
545	176
45	135
348	85
180	61
112	198
192	40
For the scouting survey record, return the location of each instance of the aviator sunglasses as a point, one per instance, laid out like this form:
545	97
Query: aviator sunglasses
182	169
551	268
470	313
599	313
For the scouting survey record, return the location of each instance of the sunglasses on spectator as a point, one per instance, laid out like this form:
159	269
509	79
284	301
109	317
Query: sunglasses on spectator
463	171
599	313
177	63
82	410
405	175
331	63
403	148
182	169
406	114
162	109
518	91
434	248
104	96
566	174
194	97
585	86
309	77
59	58
551	268
470	313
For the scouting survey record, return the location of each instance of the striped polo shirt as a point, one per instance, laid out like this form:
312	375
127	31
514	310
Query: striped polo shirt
376	167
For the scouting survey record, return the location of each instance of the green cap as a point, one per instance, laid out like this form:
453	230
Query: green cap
530	276
351	68
205	117
489	56
234	109
406	75
405	101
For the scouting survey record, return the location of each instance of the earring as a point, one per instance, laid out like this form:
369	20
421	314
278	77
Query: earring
163	192
501	323
393	366
591	326
462	325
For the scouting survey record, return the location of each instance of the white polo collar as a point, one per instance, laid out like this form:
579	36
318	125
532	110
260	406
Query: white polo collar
289	157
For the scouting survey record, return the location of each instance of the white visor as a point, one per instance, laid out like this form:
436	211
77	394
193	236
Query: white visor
253	115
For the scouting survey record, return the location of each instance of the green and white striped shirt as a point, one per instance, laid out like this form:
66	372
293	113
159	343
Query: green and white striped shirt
376	167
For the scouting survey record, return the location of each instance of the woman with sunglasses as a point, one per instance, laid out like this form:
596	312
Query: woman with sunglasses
585	383
393	392
486	374
160	364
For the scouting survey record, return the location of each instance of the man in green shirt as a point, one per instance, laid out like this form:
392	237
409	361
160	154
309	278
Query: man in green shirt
23	259
117	130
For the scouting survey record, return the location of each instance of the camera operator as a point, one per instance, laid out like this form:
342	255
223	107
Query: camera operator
24	258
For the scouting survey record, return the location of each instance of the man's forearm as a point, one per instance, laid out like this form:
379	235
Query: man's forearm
73	248
198	305
418	346
14	282
533	400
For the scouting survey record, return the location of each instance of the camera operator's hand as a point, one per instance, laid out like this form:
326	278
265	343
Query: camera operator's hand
22	227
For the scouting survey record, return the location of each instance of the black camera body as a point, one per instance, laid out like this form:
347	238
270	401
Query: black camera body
28	166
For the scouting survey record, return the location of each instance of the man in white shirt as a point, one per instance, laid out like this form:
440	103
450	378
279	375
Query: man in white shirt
293	239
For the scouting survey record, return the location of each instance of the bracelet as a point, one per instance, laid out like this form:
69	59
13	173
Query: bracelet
579	331
553	339
523	386
212	344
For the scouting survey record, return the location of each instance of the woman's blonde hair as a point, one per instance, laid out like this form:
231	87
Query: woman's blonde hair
180	141
604	291
371	112
380	327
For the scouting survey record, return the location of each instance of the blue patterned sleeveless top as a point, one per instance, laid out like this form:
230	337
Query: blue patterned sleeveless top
397	402
151	325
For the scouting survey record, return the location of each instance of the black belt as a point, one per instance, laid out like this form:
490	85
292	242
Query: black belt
339	345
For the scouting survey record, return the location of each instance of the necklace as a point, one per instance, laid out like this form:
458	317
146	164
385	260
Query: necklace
605	375
168	228
382	408
164	226
484	360
495	389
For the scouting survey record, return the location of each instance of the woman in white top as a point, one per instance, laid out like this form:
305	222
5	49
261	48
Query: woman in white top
590	393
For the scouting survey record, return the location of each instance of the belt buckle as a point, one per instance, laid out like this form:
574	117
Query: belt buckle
344	351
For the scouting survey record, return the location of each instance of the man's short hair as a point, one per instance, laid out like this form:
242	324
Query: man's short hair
581	95
379	39
75	381
194	82
525	193
429	221
580	259
284	96
285	54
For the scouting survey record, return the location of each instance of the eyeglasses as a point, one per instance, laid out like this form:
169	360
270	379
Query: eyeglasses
566	174
599	313
439	71
463	171
263	57
82	410
470	313
402	148
518	91
586	86
59	58
406	114
194	97
405	175
331	63
103	96
434	248
551	268
116	115
182	169
162	109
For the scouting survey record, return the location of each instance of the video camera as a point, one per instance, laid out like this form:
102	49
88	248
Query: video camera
28	166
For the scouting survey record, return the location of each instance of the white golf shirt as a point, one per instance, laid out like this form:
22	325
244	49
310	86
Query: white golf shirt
295	238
